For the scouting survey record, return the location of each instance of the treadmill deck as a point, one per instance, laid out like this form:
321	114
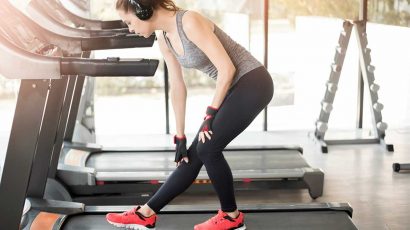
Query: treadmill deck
306	220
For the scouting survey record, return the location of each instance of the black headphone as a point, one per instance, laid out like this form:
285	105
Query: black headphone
143	12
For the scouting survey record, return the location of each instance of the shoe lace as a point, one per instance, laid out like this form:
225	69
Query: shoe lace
129	212
217	218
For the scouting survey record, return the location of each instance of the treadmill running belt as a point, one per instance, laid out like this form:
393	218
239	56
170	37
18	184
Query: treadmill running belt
313	220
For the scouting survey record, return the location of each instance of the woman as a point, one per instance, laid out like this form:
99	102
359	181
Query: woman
243	89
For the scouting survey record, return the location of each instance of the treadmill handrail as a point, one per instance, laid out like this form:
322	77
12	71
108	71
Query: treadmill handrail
113	67
39	11
24	62
68	45
85	22
75	45
80	4
16	63
116	42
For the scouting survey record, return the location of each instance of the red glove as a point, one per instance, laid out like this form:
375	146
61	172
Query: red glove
210	115
180	149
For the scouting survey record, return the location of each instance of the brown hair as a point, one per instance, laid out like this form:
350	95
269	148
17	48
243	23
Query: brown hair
126	6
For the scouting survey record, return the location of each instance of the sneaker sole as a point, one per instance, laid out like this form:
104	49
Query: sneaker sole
141	227
241	228
130	226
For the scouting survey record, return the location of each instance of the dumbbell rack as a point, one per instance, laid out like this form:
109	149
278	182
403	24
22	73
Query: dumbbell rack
367	71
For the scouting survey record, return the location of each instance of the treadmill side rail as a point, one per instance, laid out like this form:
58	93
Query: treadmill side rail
74	175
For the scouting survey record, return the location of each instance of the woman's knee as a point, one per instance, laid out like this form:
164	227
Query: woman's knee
208	151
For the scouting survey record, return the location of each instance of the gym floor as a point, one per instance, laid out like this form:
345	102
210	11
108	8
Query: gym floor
361	175
358	174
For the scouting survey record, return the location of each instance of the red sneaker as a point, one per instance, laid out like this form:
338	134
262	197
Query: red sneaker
132	219
222	221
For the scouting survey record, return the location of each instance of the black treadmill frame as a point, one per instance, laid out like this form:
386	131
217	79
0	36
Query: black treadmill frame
28	134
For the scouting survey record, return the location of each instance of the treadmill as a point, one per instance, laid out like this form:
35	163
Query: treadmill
77	45
81	4
40	11
44	80
315	216
104	176
34	128
16	29
110	177
28	35
58	12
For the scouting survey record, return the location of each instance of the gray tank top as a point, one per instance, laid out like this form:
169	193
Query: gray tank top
193	57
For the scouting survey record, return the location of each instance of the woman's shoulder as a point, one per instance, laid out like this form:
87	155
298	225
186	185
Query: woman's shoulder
194	20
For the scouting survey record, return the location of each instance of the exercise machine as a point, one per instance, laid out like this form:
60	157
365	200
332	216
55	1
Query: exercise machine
119	177
80	7
75	46
58	12
41	11
29	36
44	80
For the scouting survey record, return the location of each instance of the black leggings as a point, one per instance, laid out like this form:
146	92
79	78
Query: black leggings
244	101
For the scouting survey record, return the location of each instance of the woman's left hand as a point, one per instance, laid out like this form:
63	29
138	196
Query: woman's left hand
204	134
206	127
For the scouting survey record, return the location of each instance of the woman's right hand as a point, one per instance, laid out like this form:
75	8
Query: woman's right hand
181	153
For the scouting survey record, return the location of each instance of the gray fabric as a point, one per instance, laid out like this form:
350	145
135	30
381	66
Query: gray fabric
194	58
